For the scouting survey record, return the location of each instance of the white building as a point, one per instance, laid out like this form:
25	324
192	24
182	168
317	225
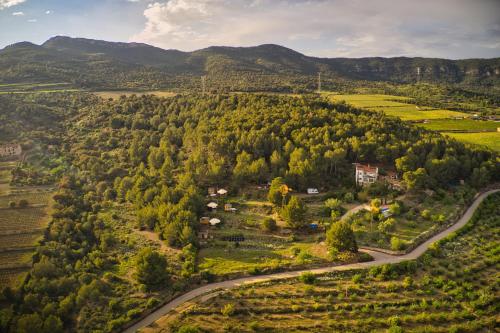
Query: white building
13	149
365	174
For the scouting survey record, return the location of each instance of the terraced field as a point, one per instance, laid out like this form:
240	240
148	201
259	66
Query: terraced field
451	288
20	228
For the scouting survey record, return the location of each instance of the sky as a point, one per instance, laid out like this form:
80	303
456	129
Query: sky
452	29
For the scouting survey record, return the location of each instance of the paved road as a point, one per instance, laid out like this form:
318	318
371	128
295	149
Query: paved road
379	259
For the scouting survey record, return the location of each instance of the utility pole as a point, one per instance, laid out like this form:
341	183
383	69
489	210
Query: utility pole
203	84
319	82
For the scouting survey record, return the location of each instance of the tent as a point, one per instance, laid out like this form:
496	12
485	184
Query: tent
212	205
222	191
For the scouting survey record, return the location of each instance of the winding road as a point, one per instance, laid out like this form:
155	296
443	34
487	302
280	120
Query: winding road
379	259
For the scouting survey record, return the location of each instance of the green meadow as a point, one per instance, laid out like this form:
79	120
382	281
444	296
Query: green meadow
488	139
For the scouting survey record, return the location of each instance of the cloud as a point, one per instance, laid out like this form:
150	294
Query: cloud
32	20
17	14
9	3
354	28
48	12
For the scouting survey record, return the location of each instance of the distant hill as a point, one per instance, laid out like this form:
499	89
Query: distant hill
95	63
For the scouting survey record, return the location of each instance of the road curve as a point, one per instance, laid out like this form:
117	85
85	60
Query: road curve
379	259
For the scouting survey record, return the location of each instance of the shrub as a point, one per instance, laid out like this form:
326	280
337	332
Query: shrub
151	268
340	237
294	213
227	310
386	225
333	204
397	244
152	302
188	329
357	278
254	326
307	278
269	224
426	214
349	197
23	203
12	204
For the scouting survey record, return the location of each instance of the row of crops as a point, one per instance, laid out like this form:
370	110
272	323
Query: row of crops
20	226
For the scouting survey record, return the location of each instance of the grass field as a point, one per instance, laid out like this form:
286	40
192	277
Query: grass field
438	119
395	106
468	125
453	288
489	139
117	94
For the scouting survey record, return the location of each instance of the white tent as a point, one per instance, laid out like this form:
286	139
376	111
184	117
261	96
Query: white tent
222	191
214	221
212	205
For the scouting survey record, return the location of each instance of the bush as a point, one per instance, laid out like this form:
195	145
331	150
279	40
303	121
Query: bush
269	224
426	214
340	237
227	310
12	204
307	278
188	329
386	225
397	244
23	203
294	213
349	197
151	268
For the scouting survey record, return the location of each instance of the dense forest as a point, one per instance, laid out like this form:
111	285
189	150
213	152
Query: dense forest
96	64
155	158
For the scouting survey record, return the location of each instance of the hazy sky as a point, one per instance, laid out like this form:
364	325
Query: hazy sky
326	28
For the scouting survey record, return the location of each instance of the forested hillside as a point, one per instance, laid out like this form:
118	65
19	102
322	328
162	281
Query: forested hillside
97	64
145	163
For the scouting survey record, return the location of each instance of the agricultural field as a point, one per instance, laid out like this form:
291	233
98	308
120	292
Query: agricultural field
117	94
417	220
489	139
27	88
465	125
435	119
20	227
396	106
261	250
451	288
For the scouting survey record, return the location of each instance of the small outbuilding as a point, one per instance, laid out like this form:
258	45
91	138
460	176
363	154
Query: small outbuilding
205	220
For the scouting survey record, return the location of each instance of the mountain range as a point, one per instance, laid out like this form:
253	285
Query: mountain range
97	64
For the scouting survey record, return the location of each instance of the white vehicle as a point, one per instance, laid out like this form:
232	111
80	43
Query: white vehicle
312	190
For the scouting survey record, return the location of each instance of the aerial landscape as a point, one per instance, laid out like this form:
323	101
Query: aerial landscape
203	166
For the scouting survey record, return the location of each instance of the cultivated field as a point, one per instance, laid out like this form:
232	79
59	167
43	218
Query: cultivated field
466	125
452	288
20	227
489	139
118	94
396	106
436	119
